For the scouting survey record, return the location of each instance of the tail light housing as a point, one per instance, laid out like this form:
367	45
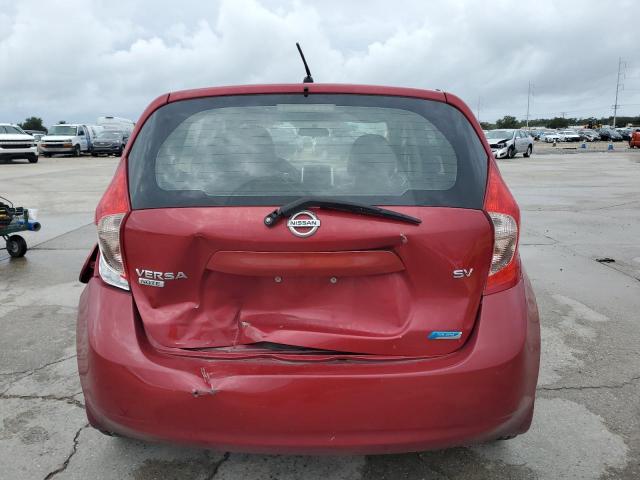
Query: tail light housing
504	213
110	215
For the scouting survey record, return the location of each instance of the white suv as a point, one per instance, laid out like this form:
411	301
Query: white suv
15	143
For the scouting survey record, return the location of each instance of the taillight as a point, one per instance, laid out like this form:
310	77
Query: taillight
505	216
110	214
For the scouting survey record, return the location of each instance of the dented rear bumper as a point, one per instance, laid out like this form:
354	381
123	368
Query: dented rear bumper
483	391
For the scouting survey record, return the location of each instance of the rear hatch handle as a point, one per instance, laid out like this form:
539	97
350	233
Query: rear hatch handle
353	207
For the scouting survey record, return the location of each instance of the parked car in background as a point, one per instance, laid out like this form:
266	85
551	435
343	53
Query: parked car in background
507	143
93	131
65	138
15	143
570	136
35	132
550	136
109	142
609	134
625	133
588	135
536	134
37	136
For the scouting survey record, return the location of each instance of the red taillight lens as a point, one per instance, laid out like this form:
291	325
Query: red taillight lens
505	217
116	197
110	214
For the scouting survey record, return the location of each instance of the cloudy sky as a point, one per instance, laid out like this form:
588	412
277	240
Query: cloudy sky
75	60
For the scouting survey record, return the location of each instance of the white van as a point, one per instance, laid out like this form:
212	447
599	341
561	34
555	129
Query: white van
66	138
123	125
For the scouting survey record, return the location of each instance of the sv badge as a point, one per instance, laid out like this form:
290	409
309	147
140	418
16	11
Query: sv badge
462	273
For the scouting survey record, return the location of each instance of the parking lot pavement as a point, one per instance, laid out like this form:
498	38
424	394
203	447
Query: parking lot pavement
577	209
541	147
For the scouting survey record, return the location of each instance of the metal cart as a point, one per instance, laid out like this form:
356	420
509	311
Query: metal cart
13	220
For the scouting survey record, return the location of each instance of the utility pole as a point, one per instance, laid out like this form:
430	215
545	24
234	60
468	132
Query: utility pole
621	65
478	110
528	103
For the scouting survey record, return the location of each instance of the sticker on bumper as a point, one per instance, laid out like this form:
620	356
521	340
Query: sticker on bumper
445	335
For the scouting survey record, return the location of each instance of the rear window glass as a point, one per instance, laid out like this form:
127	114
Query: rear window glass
271	149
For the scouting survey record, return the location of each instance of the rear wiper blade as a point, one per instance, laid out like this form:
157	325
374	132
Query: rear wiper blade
352	207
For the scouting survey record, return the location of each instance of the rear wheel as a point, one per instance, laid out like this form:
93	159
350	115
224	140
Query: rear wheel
528	152
33	159
16	246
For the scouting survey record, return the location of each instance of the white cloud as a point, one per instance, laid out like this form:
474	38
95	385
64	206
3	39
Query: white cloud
63	60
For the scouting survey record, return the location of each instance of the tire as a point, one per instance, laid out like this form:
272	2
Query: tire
511	153
76	151
33	159
16	246
528	152
47	155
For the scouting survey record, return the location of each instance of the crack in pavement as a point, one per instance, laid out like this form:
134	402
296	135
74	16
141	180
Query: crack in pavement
626	383
70	400
612	266
216	465
65	464
33	370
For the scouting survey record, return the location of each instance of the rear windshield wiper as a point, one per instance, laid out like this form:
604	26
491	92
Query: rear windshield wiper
353	207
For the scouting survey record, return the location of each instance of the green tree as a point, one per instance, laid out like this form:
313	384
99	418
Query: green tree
487	125
33	123
61	122
558	122
508	121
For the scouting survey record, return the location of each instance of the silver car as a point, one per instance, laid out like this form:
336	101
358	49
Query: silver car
507	143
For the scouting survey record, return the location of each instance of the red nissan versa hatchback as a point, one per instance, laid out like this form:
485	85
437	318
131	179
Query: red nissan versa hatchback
308	268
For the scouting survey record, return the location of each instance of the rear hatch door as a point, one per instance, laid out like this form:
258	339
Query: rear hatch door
207	273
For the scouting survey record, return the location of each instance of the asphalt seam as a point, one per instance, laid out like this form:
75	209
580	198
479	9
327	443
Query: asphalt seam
69	399
626	383
74	449
568	247
33	370
216	465
612	266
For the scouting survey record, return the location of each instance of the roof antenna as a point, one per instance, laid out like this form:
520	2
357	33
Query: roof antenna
308	78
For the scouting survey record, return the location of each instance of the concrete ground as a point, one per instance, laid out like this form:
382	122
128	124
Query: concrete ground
540	147
576	209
